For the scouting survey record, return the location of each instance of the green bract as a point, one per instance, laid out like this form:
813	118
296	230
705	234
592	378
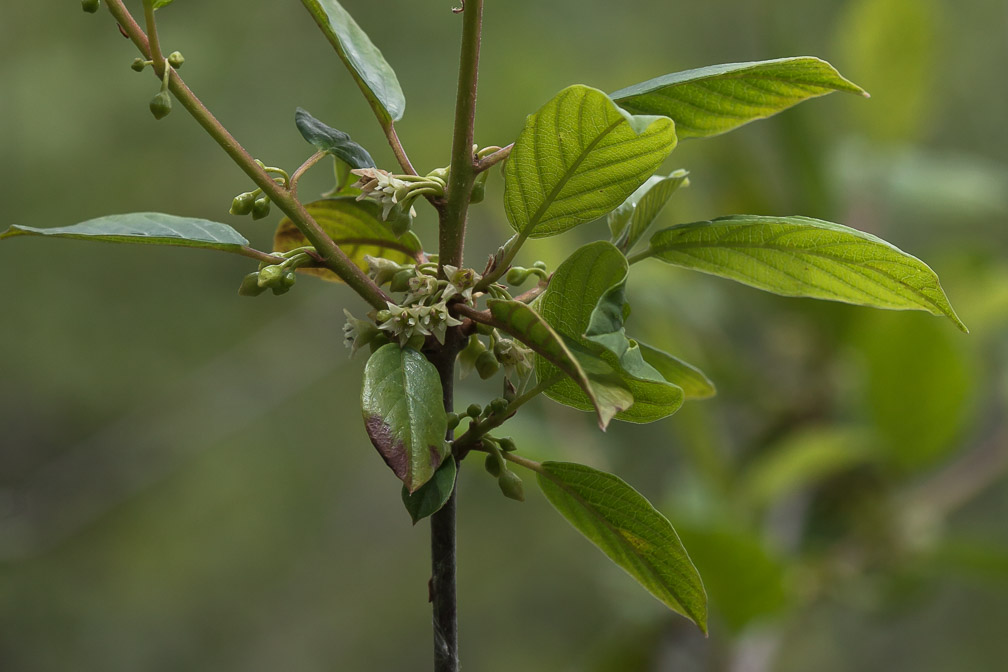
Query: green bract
716	99
579	157
801	256
403	413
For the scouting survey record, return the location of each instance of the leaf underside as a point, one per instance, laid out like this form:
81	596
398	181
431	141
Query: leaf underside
801	256
334	141
634	216
630	531
150	228
401	401
577	158
357	228
716	99
362	58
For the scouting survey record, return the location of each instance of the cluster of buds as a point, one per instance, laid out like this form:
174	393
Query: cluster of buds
160	104
277	277
396	193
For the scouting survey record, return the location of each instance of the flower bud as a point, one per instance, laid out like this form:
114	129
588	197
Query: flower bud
138	64
478	192
176	59
492	464
269	276
160	105
507	445
498	405
401	280
516	275
260	207
90	6
250	286
453	420
288	278
486	365
474	410
541	265
242	204
511	485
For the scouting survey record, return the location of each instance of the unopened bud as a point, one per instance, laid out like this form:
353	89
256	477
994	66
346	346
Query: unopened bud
250	286
176	59
516	275
453	420
242	204
511	485
269	276
474	410
498	405
400	281
492	464
261	207
138	64
486	365
507	445
160	105
90	6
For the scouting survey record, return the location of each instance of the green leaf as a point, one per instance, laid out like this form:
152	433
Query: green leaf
631	220
403	413
150	228
577	158
602	386
800	256
158	4
328	139
694	383
624	525
569	306
432	495
357	228
713	100
362	58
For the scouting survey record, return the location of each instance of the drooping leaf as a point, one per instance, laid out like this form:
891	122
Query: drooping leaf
603	387
362	58
800	256
694	383
356	227
713	100
432	495
577	158
151	228
568	304
327	139
624	525
631	219
403	413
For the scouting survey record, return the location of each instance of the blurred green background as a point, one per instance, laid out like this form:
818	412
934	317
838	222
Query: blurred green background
185	483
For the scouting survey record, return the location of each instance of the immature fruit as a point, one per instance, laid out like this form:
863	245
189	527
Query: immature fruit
260	207
160	105
90	6
511	485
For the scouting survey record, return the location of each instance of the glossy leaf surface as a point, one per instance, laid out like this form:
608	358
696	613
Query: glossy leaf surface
362	58
151	228
327	139
634	216
356	227
401	402
568	305
432	495
800	256
713	100
577	158
602	386
624	525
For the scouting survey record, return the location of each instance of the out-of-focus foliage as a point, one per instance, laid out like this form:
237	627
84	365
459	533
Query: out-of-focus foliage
168	502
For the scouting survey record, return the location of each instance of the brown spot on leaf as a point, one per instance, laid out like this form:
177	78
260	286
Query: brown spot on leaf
392	450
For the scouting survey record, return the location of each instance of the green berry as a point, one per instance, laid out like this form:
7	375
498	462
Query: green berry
90	6
260	207
486	365
176	59
474	410
511	485
250	286
138	64
160	105
242	204
492	464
